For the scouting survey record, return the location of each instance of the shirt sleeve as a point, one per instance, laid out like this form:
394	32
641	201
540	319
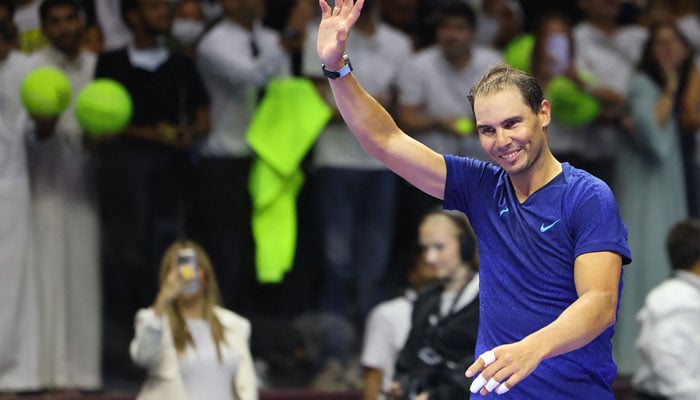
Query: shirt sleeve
146	346
466	179
377	342
596	222
671	343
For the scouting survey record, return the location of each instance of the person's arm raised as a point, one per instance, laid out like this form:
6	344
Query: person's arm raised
371	124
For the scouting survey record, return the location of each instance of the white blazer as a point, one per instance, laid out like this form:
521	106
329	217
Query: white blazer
153	349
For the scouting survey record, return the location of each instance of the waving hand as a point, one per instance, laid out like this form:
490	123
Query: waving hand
334	29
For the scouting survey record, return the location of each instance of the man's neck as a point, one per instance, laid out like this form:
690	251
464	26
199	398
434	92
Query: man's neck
540	174
461	61
608	27
245	22
459	280
70	55
192	308
695	269
143	42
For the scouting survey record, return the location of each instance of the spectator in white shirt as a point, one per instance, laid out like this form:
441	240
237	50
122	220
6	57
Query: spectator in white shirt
669	343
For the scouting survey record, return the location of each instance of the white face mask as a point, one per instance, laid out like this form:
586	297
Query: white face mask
558	50
487	28
187	31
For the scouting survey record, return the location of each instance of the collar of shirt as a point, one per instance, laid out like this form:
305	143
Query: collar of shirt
149	59
61	61
689	278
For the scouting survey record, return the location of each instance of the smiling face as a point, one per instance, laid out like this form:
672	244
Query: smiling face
511	133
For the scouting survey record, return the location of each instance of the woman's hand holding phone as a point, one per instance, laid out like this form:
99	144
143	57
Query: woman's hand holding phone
182	276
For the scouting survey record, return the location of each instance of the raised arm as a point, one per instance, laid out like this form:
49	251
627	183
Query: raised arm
371	124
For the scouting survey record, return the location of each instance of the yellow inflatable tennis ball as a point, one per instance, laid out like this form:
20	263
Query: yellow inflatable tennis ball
45	92
464	126
570	104
518	52
103	107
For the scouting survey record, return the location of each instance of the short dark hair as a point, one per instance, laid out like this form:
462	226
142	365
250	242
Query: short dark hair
47	5
455	9
9	6
127	6
8	30
683	244
503	76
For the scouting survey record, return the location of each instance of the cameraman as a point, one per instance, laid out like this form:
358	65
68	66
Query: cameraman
445	317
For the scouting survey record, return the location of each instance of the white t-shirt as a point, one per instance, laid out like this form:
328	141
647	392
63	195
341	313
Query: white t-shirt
234	77
669	342
388	325
202	374
431	82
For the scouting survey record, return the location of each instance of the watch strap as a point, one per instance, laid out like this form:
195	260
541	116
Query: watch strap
344	71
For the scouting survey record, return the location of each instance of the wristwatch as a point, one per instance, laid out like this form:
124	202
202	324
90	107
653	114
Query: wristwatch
347	68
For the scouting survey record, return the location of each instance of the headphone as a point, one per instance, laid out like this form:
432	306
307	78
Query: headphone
467	240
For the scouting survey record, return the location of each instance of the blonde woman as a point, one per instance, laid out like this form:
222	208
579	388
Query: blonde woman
191	347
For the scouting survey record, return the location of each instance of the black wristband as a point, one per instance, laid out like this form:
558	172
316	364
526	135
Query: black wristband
347	68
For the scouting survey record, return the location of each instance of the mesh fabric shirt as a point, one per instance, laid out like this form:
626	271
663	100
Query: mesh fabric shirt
527	252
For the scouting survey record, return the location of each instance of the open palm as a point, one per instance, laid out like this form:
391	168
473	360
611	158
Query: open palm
334	28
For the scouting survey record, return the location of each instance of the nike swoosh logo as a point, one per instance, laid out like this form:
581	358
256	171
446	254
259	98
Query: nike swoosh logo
548	227
503	211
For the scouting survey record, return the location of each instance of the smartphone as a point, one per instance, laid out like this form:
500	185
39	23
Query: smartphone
187	264
558	51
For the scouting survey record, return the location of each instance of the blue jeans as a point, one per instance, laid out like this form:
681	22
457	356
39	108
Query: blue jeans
356	217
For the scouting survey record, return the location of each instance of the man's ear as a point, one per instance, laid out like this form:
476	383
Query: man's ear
545	113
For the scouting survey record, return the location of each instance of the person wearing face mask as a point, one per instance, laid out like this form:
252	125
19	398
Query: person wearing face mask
191	347
189	23
498	21
552	63
649	173
445	317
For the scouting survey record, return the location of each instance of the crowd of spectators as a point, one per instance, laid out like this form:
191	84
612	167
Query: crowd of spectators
86	222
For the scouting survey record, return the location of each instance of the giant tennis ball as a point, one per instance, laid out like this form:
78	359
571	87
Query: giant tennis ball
464	126
518	52
45	92
103	107
570	104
